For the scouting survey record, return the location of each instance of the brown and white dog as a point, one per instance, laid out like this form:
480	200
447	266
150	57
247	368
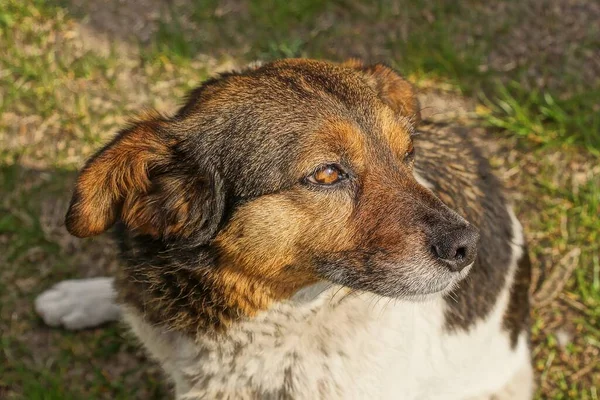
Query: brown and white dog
281	239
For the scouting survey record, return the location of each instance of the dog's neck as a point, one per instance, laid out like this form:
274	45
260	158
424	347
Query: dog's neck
320	324
200	295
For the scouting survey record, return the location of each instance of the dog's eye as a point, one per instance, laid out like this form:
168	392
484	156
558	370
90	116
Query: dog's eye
327	175
409	157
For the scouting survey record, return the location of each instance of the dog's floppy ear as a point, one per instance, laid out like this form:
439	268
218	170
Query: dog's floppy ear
142	179
392	88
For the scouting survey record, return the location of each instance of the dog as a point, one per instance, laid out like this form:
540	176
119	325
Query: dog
296	231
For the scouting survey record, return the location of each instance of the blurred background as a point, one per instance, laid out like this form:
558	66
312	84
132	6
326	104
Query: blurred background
525	74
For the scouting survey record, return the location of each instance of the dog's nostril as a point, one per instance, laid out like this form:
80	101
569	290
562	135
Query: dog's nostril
436	251
461	253
457	248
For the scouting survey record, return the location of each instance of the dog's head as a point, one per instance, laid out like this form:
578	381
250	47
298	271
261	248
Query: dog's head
291	173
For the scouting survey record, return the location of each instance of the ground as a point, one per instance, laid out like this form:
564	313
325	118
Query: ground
525	75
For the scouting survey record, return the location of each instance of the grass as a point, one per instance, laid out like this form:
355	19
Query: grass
447	42
65	88
542	118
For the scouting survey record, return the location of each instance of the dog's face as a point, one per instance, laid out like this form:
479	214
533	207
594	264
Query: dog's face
291	173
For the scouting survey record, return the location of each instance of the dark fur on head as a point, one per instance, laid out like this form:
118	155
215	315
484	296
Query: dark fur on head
218	214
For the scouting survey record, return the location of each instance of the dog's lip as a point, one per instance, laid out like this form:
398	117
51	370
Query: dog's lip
447	286
430	295
441	289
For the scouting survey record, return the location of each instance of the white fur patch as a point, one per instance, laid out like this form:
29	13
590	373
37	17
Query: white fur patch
79	303
325	343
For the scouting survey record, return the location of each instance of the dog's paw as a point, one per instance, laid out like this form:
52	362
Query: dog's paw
79	303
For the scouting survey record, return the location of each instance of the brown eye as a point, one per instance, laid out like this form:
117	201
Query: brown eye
327	175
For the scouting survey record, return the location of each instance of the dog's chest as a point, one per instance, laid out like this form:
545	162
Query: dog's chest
359	348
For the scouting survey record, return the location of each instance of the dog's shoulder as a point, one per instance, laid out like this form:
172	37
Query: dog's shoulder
455	167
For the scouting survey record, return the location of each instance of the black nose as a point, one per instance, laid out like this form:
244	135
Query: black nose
456	248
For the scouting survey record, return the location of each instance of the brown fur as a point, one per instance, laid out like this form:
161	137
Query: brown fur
394	90
114	175
217	219
132	179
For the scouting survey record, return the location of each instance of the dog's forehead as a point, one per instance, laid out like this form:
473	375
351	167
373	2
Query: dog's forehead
266	126
326	92
317	77
293	88
296	96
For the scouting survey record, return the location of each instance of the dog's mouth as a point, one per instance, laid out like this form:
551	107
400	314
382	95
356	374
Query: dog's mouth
411	281
441	290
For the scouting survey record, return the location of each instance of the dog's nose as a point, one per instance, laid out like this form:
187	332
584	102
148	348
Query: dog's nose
456	248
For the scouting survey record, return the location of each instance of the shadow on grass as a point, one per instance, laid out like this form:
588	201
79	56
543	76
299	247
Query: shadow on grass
38	362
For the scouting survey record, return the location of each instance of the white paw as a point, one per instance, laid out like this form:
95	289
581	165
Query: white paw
79	303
